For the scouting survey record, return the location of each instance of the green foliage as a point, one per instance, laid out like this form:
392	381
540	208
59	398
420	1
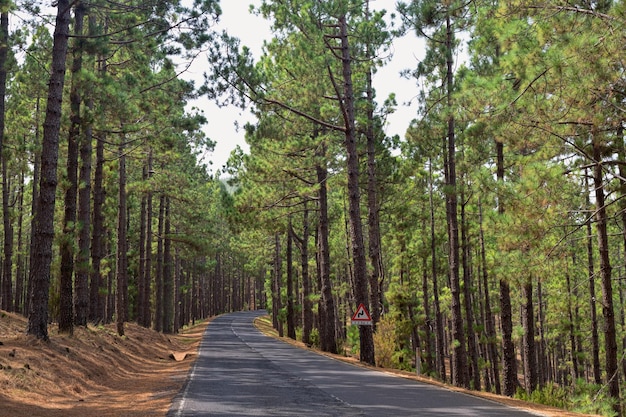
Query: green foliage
551	395
352	340
385	342
591	399
582	398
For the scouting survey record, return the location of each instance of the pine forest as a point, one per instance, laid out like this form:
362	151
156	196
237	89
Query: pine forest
487	243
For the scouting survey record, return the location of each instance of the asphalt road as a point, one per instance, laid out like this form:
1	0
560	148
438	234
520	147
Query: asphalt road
241	372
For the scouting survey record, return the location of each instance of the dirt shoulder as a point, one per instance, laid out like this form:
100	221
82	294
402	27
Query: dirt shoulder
94	372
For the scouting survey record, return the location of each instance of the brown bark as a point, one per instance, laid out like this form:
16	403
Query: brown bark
490	328
121	301
459	370
168	278
44	218
472	342
307	308
158	304
509	362
361	294
6	289
439	330
327	302
291	322
81	282
528	323
148	253
66	303
608	311
376	277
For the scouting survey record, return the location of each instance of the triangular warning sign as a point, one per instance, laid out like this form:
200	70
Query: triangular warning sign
361	316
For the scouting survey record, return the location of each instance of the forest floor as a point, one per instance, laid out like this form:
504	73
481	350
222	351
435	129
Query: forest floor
97	373
94	372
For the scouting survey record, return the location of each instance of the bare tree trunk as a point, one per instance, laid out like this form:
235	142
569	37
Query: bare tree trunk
595	339
44	218
327	325
66	305
439	336
509	361
291	325
307	308
528	322
460	375
121	305
148	264
6	302
141	273
276	301
81	283
366	336
7	265
608	312
472	342
376	277
168	284
158	304
490	327
33	208
20	269
572	328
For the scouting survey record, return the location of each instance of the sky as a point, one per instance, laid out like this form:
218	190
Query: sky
252	31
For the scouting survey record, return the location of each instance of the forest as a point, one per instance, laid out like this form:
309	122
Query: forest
488	243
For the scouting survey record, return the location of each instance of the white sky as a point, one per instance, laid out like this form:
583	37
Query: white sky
254	30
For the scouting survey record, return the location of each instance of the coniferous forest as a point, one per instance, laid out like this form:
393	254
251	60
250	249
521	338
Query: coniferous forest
488	243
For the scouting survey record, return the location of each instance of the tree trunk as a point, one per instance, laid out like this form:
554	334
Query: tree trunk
490	327
44	218
291	325
20	269
98	305
148	264
307	308
439	336
121	304
366	336
158	304
327	303
168	278
528	323
460	376
572	328
509	361
427	328
608	312
81	283
66	304
276	301
6	302
376	277
472	342
33	209
141	273
7	265
595	339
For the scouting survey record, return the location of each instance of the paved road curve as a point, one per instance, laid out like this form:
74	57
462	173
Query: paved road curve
241	372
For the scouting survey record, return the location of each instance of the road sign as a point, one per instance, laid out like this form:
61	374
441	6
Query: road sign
361	317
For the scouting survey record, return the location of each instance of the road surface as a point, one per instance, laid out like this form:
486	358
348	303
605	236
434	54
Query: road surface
241	372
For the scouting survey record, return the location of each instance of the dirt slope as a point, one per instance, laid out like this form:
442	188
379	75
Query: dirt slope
92	373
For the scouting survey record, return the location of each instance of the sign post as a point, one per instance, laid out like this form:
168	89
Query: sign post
361	317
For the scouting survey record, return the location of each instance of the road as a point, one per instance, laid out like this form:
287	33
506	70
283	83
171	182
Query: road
241	372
